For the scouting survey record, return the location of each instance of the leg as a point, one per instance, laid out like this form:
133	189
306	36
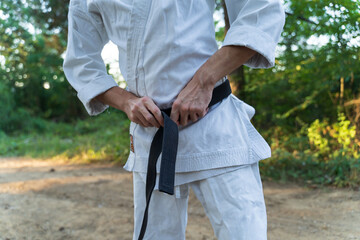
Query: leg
234	203
167	214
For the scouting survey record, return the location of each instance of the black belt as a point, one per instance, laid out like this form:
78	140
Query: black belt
166	141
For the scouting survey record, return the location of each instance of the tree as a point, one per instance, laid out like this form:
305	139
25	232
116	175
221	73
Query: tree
32	40
317	68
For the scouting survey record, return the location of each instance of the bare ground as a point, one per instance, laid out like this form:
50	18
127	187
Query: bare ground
53	200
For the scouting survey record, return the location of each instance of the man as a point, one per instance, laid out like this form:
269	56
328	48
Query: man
169	58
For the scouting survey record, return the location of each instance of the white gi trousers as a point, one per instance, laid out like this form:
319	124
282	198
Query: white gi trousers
233	201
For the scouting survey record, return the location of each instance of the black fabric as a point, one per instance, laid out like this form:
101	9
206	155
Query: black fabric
165	141
168	157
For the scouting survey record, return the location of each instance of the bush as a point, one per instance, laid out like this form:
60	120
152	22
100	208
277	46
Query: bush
7	105
322	153
333	140
101	138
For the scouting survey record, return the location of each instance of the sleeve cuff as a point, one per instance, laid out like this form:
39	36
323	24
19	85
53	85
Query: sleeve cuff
91	90
256	40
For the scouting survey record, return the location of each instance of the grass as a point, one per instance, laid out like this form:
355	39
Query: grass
105	138
100	138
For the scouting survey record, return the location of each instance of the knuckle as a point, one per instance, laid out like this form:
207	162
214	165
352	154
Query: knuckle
184	108
148	118
157	111
133	111
145	99
192	109
198	109
176	104
137	106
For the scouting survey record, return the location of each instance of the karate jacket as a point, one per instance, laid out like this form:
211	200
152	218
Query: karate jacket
162	43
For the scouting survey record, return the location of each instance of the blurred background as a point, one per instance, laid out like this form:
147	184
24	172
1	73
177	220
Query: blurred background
307	106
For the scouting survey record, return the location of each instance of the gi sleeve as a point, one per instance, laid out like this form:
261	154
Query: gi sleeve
83	66
256	24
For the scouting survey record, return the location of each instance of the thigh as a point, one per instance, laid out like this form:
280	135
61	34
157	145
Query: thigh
234	203
167	216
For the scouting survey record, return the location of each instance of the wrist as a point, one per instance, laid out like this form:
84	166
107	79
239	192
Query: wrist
116	97
123	100
206	78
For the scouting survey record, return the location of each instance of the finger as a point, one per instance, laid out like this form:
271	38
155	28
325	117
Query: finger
203	113
194	117
206	111
155	111
140	122
148	117
143	121
184	117
175	113
136	120
139	114
175	117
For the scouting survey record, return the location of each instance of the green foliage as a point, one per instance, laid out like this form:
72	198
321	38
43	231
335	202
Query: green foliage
305	85
7	102
15	119
306	105
301	102
32	40
102	138
316	137
304	167
331	141
321	153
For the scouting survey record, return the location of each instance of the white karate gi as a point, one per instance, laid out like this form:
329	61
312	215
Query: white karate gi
234	203
162	43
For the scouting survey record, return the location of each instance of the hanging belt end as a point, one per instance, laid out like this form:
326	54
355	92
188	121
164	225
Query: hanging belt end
166	189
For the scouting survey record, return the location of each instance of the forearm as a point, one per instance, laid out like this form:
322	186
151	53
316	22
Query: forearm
141	110
223	62
116	97
193	100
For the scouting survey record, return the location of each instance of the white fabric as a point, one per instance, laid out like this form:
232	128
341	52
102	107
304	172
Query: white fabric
223	137
186	177
161	46
233	201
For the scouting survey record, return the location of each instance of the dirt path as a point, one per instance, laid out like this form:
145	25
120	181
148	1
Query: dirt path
51	200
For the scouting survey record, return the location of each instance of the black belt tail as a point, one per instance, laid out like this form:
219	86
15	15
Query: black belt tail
165	141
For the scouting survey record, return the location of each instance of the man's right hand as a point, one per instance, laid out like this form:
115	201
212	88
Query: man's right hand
144	112
141	110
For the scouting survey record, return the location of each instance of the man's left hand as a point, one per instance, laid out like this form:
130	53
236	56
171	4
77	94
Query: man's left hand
192	102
